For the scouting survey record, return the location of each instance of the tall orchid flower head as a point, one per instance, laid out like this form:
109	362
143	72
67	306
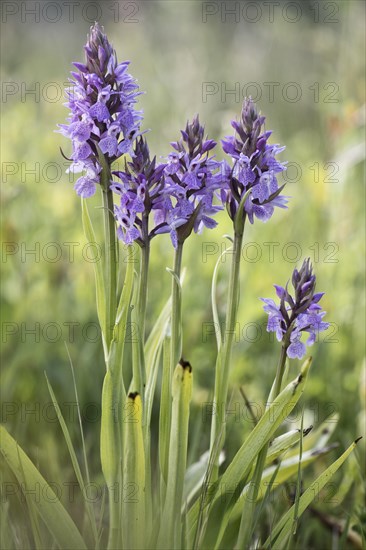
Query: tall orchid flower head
102	118
254	167
192	178
139	188
296	313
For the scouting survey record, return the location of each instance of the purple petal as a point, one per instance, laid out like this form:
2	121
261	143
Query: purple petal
296	350
85	187
280	291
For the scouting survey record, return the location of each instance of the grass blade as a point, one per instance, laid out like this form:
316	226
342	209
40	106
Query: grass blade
228	487
284	527
75	463
52	512
276	413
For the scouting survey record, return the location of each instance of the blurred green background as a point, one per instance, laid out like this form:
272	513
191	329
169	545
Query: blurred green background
303	63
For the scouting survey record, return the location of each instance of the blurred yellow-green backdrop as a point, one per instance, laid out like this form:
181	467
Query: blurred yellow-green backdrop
303	64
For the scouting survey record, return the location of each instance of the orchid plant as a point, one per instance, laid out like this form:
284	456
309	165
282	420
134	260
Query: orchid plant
211	503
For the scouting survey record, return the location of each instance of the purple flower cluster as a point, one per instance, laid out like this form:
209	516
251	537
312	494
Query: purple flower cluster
102	116
254	167
103	125
192	178
139	190
296	314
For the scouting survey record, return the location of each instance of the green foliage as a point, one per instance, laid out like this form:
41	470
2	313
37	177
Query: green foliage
53	514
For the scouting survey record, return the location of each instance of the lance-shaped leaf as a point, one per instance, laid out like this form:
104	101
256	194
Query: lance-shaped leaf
226	491
133	502
54	515
287	469
283	442
276	413
272	478
195	476
170	529
75	462
319	437
284	527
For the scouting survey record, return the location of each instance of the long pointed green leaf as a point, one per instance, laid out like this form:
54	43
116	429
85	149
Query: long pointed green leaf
229	483
276	413
319	437
133	506
288	469
195	476
284	471
54	515
170	532
284	526
157	335
33	516
282	443
74	461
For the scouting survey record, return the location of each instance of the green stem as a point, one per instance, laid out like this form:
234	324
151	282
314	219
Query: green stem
139	314
114	519
246	523
172	354
279	374
176	332
224	357
111	311
110	256
144	270
141	309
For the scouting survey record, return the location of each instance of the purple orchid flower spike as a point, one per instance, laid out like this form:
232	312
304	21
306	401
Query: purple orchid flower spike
296	314
192	179
254	167
139	188
102	117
